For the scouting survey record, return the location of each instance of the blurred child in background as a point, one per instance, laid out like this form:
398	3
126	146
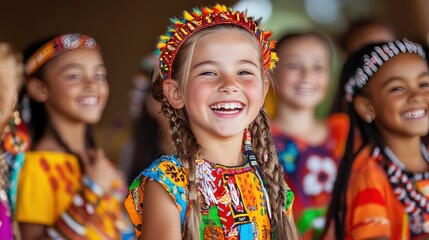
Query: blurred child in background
309	149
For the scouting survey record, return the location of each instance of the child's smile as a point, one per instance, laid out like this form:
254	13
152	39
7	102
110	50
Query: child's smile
227	109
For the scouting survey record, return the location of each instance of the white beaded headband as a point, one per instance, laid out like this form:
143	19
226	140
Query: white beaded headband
372	62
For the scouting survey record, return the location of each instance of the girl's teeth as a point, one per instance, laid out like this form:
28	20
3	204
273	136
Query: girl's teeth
414	114
90	101
305	90
226	106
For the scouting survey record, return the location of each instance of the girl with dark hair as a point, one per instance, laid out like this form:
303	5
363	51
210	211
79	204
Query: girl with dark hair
381	188
309	149
67	188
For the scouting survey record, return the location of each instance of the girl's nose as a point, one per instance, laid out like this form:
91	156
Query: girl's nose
416	95
90	84
229	84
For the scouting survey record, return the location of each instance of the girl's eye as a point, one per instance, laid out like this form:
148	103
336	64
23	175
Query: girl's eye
244	72
100	76
319	68
208	73
424	84
73	76
294	66
396	89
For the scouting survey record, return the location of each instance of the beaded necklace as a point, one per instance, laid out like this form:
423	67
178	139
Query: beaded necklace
404	187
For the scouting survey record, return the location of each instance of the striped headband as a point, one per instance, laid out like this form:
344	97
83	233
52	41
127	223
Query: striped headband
370	63
55	47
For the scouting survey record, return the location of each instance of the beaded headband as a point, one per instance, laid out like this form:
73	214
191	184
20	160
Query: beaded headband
55	47
370	63
201	18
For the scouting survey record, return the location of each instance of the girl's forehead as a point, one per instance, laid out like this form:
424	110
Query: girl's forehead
78	56
304	45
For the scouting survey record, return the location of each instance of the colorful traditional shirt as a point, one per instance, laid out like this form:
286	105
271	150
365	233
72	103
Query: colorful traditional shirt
373	210
310	172
48	181
233	204
5	210
5	217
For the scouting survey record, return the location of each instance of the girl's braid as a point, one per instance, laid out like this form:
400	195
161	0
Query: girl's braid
187	150
273	174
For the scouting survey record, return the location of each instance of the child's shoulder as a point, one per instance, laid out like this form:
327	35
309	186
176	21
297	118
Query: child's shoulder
165	160
338	120
366	169
50	159
170	174
166	170
47	154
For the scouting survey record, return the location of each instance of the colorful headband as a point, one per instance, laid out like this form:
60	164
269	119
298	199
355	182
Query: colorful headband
372	62
201	18
56	47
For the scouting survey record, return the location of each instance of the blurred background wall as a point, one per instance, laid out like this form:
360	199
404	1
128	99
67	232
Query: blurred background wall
128	30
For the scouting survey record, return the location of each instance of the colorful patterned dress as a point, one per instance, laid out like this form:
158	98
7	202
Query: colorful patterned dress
373	210
5	210
310	172
50	186
233	203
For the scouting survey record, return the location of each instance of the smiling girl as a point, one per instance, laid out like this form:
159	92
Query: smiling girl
381	191
225	181
67	185
309	148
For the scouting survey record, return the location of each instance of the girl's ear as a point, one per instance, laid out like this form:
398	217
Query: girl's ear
36	89
266	86
172	93
364	108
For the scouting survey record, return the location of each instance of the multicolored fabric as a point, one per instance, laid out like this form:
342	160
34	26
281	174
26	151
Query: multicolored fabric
310	172
233	204
373	210
5	217
48	185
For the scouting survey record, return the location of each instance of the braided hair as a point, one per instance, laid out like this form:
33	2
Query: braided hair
188	148
367	133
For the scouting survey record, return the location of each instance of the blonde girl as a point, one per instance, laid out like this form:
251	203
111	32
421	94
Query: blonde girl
225	181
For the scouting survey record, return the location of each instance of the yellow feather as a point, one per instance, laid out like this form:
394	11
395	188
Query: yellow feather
161	45
273	61
187	16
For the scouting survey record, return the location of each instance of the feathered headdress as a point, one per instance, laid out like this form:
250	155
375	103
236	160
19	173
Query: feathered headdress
200	18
